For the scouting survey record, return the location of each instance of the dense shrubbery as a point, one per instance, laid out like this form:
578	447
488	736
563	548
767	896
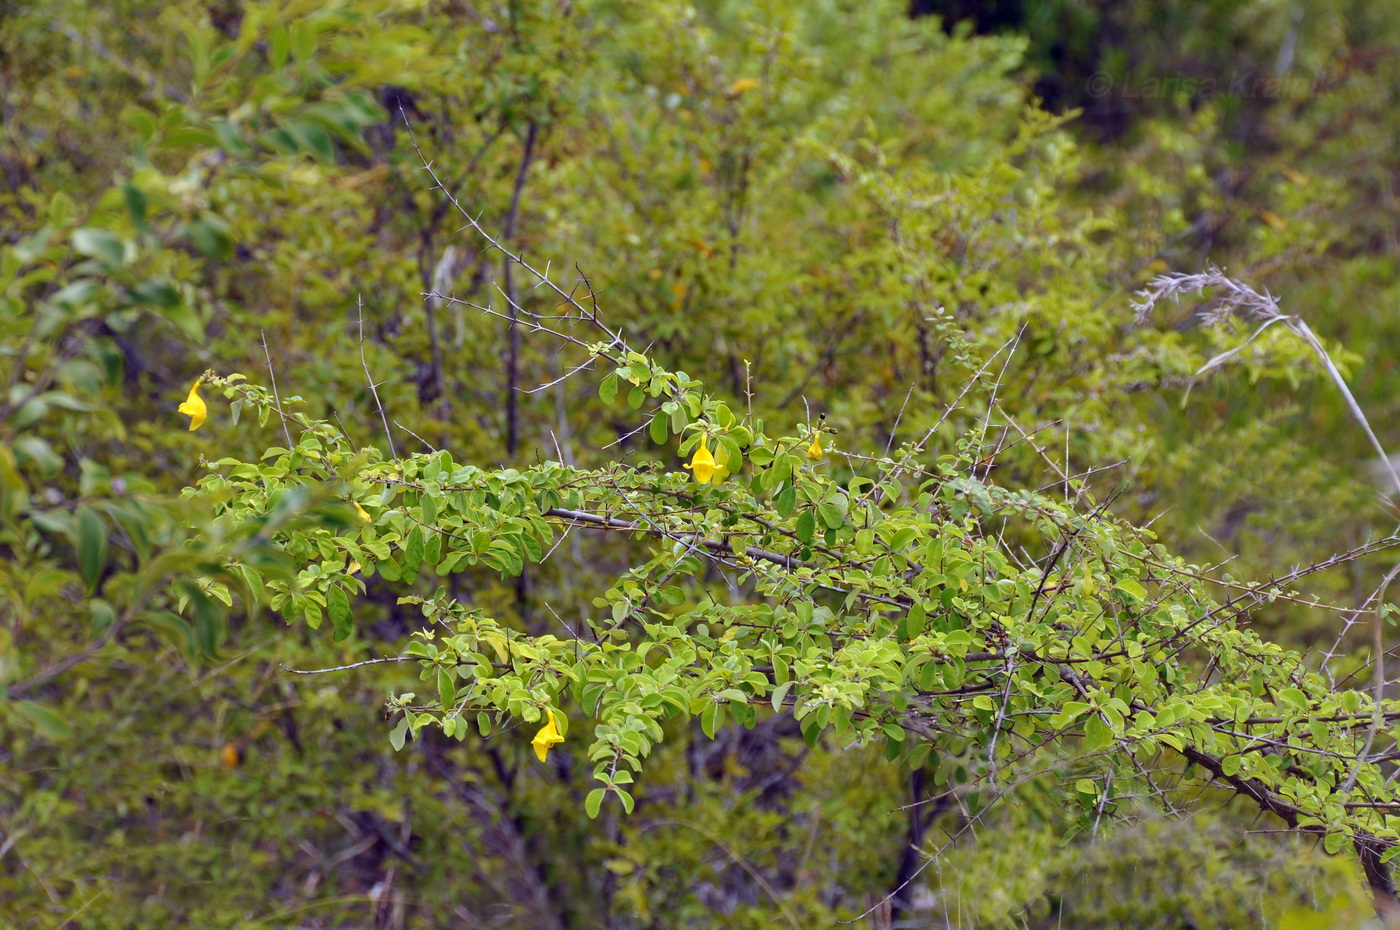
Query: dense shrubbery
762	224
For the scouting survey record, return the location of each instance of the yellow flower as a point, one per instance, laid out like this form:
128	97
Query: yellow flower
548	736
702	463
364	515
741	85
194	408
814	451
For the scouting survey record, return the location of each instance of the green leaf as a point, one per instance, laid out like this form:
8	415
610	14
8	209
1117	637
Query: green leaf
593	802
136	206
787	500
779	695
1097	735
338	609
913	623
918	756
208	622
43	718
607	391
143	122
304	40
711	719
659	427
157	294
98	243
255	590
211	236
806	526
413	554
188	322
833	516
279	42
190	137
174	630
811	730
280	141
230	140
362	109
447	689
398	733
1334	843
1130	587
312	139
92	546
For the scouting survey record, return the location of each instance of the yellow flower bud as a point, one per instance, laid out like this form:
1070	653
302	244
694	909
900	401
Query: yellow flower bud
702	463
364	514
546	737
814	451
194	408
721	465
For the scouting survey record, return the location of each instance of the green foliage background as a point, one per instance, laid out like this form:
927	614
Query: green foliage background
810	204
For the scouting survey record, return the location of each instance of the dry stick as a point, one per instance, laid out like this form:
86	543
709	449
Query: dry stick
614	338
996	386
439	378
343	668
1029	439
1301	328
1242	297
918	448
713	545
431	447
561	413
513	354
1378	681
360	302
275	396
899	416
561	379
